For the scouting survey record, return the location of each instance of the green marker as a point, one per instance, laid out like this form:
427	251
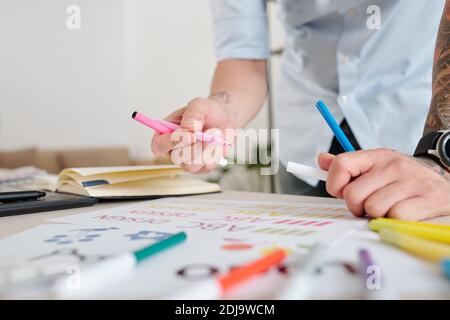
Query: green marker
93	276
144	253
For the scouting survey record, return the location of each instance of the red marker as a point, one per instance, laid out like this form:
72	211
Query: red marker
216	288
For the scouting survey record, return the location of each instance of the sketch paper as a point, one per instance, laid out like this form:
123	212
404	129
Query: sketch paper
221	235
286	224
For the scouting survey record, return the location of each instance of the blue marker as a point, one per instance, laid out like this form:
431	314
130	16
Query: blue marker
340	135
446	267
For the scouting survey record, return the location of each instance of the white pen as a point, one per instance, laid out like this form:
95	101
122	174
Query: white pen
300	284
302	171
93	277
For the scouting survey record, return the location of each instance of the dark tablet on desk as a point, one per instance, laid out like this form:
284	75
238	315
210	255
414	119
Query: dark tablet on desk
51	202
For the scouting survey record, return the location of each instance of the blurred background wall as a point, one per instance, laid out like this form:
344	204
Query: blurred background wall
62	88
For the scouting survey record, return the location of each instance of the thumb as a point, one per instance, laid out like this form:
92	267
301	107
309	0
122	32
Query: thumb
194	116
324	160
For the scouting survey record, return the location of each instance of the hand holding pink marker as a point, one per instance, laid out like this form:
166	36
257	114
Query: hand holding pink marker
163	127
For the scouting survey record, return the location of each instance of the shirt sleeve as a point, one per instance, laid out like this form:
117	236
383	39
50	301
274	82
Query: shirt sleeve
240	29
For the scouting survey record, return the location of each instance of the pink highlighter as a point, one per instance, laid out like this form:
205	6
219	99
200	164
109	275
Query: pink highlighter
163	127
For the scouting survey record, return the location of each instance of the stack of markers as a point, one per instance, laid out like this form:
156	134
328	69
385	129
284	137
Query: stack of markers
429	241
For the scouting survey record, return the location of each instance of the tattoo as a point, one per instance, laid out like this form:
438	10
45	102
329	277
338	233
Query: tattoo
221	95
433	165
439	114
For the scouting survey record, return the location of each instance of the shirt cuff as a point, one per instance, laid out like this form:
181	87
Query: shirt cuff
241	38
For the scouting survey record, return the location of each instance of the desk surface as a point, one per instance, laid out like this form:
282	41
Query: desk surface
14	224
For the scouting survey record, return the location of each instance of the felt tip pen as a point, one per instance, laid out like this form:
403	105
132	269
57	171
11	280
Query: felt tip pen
215	288
382	221
367	269
426	249
301	171
422	230
163	127
299	286
94	276
366	265
20	196
339	134
446	268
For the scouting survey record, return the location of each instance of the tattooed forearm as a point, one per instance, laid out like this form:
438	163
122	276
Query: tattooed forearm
433	165
439	114
221	95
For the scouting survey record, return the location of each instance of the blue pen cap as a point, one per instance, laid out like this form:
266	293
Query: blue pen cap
446	268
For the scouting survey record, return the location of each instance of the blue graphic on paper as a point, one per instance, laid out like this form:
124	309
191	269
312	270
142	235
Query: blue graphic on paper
78	235
148	235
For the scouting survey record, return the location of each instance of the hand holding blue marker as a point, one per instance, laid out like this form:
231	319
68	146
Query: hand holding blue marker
300	170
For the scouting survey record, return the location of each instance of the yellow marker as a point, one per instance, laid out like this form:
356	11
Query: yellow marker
429	231
413	223
424	248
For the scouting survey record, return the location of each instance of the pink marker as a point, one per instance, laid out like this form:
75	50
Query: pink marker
163	127
199	135
151	123
169	124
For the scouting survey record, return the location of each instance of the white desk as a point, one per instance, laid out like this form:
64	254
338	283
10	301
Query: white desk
14	224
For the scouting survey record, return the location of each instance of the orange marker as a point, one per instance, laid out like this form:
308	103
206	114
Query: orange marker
215	288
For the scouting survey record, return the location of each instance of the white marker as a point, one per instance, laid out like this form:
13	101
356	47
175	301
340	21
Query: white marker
94	277
223	162
302	171
300	284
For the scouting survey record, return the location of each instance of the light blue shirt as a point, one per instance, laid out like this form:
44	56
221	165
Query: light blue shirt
378	79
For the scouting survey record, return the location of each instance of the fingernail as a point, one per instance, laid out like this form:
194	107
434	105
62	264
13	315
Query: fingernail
318	153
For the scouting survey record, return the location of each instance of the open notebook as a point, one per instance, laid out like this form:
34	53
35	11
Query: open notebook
131	182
